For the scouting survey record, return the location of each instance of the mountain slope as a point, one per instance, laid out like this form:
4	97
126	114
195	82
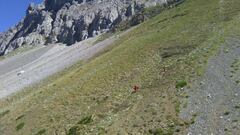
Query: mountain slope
160	56
44	61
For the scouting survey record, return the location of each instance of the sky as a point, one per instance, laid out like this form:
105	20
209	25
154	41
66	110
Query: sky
12	11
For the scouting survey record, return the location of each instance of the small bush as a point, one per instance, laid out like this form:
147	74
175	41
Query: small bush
181	84
177	107
86	120
237	107
156	131
159	131
227	113
235	120
2	114
20	126
238	82
41	132
73	130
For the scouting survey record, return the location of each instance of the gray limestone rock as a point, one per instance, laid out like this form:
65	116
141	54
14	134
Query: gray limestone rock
70	21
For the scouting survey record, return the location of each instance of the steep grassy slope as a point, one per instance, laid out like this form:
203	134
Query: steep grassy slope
95	97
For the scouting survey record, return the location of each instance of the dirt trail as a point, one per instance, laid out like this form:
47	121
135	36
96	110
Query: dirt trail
215	98
45	61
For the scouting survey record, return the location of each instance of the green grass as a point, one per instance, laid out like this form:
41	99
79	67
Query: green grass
177	107
158	53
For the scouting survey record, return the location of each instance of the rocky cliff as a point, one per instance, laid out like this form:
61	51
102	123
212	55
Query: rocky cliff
70	21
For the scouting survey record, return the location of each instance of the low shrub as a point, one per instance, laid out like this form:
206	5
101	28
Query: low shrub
2	114
86	120
73	130
20	126
181	84
41	132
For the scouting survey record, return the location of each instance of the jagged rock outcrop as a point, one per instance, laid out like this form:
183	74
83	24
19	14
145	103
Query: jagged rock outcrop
70	21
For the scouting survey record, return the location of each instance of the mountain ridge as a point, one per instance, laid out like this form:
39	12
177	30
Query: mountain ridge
70	21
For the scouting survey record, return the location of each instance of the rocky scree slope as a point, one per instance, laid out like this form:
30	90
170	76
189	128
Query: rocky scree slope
70	21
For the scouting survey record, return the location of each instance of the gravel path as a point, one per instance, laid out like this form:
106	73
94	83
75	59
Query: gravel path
45	61
215	98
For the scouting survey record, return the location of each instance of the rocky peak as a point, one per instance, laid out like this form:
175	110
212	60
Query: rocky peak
70	21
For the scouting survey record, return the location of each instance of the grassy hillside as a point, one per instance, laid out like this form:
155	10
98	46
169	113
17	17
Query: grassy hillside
160	56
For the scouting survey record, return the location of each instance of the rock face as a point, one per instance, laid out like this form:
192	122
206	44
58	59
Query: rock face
70	21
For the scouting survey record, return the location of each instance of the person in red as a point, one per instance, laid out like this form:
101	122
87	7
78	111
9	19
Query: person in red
135	89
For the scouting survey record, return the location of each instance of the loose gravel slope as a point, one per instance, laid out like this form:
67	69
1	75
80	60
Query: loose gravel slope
215	98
